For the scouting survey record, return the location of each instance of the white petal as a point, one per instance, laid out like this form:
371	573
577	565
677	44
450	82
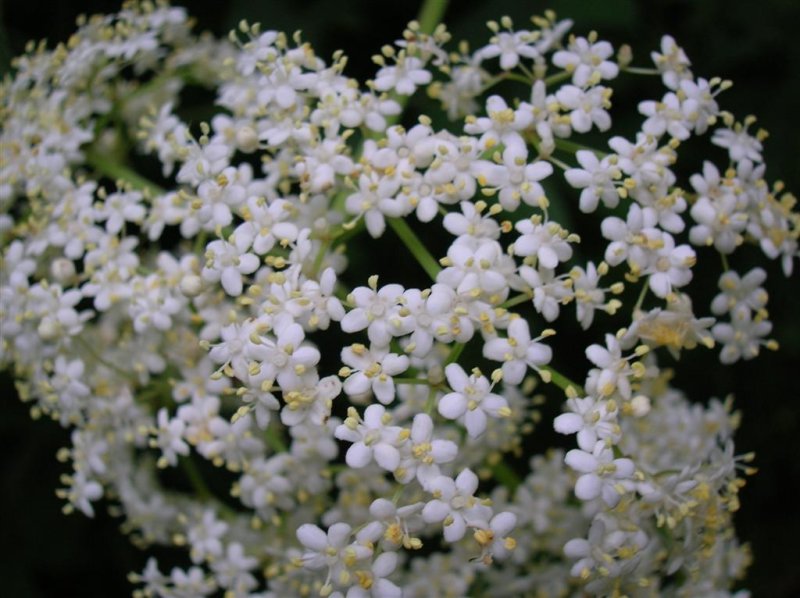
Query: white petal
568	423
475	422
358	455
581	461
339	534
312	537
354	320
231	281
452	405
386	456
456	376
588	486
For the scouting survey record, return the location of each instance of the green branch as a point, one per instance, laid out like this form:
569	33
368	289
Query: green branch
430	15
415	246
562	381
119	172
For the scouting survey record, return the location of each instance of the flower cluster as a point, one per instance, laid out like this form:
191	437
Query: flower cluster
198	315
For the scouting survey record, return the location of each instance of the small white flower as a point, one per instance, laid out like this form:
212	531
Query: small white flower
225	264
378	310
596	179
546	241
169	438
586	107
602	475
404	77
587	61
471	401
740	291
373	438
372	370
510	46
672	63
591	419
517	352
739	143
455	504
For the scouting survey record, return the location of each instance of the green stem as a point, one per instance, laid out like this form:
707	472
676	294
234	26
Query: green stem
557	78
562	381
195	479
418	381
634	70
415	246
430	15
640	300
506	476
523	298
455	353
274	441
572	147
724	259
100	359
117	171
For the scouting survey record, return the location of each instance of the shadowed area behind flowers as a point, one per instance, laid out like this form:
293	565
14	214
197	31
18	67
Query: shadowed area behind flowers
54	555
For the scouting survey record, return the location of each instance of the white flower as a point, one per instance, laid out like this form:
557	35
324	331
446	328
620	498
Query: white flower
586	60
601	474
378	310
591	419
666	116
509	46
675	327
672	63
719	211
422	454
517	352
586	107
265	224
604	549
738	291
232	571
404	77
169	438
372	370
669	266
588	297
118	208
455	504
546	241
225	264
331	549
471	400
743	337
615	372
495	539
475	268
287	358
739	143
514	179
501	125
373	438
204	536
596	179
375	199
373	582
474	221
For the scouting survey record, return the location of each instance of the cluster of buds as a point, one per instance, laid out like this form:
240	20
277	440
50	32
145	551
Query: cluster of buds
181	297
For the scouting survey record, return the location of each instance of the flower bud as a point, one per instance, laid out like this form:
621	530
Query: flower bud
191	285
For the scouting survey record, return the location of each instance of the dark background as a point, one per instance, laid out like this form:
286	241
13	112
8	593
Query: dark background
751	43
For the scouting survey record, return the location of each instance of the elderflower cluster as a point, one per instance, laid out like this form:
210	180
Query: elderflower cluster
180	296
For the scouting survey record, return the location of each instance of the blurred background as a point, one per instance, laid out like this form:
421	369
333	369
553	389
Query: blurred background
751	44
